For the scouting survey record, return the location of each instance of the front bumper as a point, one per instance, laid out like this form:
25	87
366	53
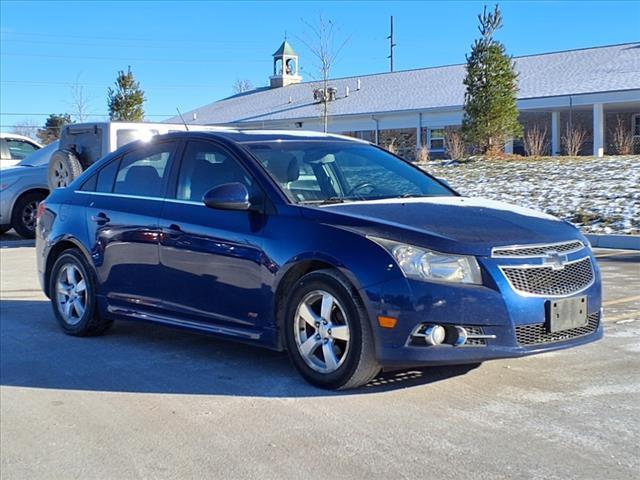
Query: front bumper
494	309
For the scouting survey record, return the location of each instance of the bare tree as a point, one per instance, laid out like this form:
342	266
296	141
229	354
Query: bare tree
26	128
621	137
535	141
573	140
454	143
241	86
392	146
322	41
79	104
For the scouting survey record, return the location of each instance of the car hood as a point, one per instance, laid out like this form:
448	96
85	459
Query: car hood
451	224
24	172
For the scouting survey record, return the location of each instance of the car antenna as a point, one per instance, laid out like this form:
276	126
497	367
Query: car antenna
186	127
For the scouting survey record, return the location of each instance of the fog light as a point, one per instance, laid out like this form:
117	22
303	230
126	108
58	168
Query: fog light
434	334
461	337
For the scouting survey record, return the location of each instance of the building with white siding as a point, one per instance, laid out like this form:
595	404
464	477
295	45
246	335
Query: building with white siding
592	87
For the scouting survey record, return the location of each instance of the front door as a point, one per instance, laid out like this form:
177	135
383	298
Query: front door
212	259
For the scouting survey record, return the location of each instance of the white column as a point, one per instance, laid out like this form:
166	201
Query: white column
555	134
419	132
598	130
508	147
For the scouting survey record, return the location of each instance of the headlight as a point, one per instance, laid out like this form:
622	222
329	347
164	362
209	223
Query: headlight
423	264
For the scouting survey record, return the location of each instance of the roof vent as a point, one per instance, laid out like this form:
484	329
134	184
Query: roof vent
346	91
359	85
333	93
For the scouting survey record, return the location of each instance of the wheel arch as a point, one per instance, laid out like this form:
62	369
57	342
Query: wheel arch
60	246
293	272
27	191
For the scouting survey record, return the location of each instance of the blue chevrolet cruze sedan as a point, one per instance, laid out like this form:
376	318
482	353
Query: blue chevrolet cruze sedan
331	248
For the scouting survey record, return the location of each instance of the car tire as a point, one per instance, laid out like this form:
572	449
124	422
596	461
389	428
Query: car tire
64	168
330	347
23	216
73	296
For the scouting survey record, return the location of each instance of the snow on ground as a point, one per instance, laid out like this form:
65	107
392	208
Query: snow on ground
597	195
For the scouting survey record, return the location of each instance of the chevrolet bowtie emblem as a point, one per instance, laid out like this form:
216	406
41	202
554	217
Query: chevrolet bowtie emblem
555	260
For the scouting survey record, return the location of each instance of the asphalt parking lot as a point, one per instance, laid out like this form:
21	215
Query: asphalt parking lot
150	402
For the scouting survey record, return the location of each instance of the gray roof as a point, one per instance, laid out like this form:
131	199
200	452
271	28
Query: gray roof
599	69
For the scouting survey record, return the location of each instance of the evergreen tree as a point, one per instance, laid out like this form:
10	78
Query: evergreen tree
127	100
490	113
52	127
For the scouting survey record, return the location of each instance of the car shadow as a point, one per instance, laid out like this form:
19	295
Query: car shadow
11	239
145	358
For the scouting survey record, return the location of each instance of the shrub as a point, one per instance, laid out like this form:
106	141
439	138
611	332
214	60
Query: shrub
535	141
422	154
454	143
392	147
573	140
621	138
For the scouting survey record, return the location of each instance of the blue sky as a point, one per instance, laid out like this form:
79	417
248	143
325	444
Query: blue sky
187	54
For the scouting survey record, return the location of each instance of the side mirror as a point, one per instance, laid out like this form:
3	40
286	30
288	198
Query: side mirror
229	196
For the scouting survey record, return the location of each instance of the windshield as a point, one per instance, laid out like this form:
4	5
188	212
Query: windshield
327	172
40	157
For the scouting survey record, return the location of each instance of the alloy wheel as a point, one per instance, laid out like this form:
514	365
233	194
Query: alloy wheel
71	292
62	175
322	331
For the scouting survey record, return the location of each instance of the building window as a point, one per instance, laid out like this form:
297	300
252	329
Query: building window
436	139
368	135
635	125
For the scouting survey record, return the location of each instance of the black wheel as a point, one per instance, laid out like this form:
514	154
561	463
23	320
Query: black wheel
72	292
328	334
23	217
64	168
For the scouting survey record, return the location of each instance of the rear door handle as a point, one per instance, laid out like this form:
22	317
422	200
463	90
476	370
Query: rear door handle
100	218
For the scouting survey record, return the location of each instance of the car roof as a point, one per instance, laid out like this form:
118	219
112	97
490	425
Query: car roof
251	136
18	137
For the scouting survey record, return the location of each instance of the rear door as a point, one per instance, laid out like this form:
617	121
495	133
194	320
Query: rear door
122	213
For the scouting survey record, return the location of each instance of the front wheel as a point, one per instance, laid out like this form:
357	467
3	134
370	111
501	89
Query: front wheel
23	217
328	334
72	292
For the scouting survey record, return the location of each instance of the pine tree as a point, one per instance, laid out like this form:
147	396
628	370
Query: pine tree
127	100
52	127
490	112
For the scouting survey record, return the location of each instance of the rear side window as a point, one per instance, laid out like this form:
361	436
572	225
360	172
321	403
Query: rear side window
142	171
106	177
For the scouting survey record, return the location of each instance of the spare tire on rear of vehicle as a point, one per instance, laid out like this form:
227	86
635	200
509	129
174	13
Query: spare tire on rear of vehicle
64	168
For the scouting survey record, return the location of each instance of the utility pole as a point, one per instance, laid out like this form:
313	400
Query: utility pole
391	45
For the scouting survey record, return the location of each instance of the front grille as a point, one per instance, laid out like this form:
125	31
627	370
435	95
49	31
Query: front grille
545	280
537	250
537	333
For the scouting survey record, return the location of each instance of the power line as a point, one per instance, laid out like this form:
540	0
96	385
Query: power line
33	114
122	59
37	83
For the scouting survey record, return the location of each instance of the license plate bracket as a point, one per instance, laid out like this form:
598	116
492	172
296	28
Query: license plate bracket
566	313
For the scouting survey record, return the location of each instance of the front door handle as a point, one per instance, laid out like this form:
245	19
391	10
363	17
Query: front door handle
100	218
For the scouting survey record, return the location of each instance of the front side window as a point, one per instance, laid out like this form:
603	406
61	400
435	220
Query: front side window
19	149
636	125
205	166
141	172
324	172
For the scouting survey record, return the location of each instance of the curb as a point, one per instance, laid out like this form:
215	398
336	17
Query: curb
622	242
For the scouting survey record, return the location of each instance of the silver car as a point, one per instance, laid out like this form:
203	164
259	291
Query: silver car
22	187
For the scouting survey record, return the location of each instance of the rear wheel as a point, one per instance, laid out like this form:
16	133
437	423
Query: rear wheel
327	333
64	168
23	217
72	292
